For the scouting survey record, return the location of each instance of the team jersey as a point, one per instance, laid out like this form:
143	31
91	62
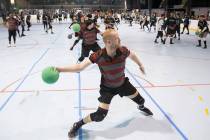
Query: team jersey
112	69
12	23
171	23
89	36
202	25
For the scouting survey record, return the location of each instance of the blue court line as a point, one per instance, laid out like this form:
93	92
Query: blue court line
25	77
80	104
158	106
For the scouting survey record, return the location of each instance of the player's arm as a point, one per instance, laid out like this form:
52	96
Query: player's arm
135	59
7	23
204	29
73	22
75	67
99	32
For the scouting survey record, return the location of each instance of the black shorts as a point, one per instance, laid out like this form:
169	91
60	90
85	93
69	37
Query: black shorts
107	93
153	24
160	34
171	32
87	48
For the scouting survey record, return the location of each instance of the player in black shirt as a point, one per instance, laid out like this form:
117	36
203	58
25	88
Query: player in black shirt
178	24
153	21
28	21
109	22
203	29
44	21
186	24
171	28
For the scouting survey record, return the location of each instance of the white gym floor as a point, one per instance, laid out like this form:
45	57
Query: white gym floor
176	88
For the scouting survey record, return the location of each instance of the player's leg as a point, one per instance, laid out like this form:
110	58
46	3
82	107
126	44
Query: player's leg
97	116
128	90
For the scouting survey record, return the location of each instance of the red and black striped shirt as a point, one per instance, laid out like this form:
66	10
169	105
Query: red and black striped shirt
89	36
12	23
112	68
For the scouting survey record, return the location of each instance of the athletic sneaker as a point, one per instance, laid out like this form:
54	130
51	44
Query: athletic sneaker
146	111
73	131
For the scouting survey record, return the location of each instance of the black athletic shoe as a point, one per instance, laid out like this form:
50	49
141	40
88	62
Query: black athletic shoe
164	41
146	111
73	131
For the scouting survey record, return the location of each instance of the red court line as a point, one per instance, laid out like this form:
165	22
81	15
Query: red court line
5	88
91	89
9	85
180	85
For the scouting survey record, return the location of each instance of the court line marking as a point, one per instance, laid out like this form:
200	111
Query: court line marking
90	89
25	77
28	74
80	103
159	107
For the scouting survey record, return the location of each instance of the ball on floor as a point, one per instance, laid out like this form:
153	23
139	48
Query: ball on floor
70	36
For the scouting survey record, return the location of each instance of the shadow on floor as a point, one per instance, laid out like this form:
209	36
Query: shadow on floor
147	124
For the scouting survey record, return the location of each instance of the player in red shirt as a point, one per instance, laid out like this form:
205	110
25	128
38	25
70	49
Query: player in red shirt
12	24
111	62
89	40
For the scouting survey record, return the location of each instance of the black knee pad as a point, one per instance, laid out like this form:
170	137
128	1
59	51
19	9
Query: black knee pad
99	115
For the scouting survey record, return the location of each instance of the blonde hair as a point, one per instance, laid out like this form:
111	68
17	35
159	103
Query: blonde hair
109	34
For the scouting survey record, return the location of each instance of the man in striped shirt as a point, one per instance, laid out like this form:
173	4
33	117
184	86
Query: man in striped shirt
111	62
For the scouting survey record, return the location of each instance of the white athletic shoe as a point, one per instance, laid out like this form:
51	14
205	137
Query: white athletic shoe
9	45
14	45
